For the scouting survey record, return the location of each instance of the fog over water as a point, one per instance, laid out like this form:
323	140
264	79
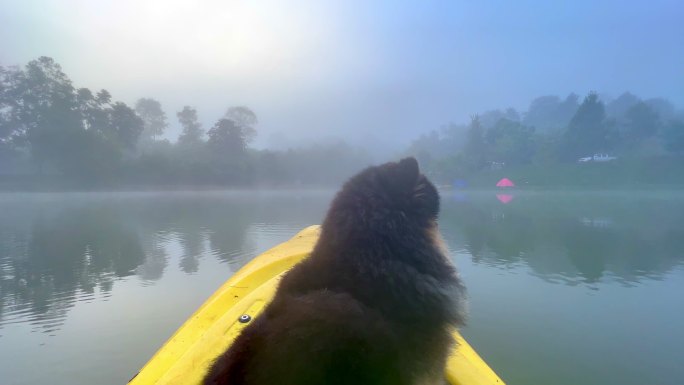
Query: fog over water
376	73
557	281
150	149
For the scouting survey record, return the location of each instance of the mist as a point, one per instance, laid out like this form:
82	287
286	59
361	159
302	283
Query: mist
376	77
150	150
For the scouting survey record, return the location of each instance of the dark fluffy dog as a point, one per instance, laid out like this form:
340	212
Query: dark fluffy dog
373	304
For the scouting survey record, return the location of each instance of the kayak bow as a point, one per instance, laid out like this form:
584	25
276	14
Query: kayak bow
186	357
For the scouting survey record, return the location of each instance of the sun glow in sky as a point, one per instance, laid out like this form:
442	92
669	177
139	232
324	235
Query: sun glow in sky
166	40
363	71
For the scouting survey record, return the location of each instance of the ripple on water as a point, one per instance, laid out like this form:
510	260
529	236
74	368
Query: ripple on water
47	315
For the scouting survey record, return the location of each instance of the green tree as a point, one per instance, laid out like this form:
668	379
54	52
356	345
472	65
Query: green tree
56	140
549	113
28	96
511	142
662	107
192	129
619	106
425	147
6	129
587	132
227	150
226	137
124	126
673	136
67	130
445	143
244	118
566	110
88	157
103	97
93	108
490	118
545	149
641	122
154	117
475	149
541	112
45	110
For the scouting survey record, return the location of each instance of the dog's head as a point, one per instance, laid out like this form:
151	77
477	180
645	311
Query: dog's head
393	198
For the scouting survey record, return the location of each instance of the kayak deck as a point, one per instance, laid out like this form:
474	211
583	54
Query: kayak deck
186	357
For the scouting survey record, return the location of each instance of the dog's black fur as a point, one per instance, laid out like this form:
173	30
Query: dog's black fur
373	304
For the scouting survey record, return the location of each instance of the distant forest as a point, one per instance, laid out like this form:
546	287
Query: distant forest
554	143
54	135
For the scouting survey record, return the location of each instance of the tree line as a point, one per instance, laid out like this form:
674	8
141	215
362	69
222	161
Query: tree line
52	133
51	130
556	133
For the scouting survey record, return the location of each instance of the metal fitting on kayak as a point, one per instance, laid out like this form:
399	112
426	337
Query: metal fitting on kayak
244	318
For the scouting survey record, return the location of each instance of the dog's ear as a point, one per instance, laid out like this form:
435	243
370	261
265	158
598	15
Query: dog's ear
408	172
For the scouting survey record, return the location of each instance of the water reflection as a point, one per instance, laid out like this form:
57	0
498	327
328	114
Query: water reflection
193	244
53	260
55	252
504	198
571	238
58	250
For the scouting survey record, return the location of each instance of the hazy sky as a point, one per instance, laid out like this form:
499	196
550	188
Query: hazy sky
382	71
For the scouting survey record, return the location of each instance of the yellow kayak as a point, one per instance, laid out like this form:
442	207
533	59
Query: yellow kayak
186	357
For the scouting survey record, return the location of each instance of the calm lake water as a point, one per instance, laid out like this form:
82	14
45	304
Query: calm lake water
565	288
